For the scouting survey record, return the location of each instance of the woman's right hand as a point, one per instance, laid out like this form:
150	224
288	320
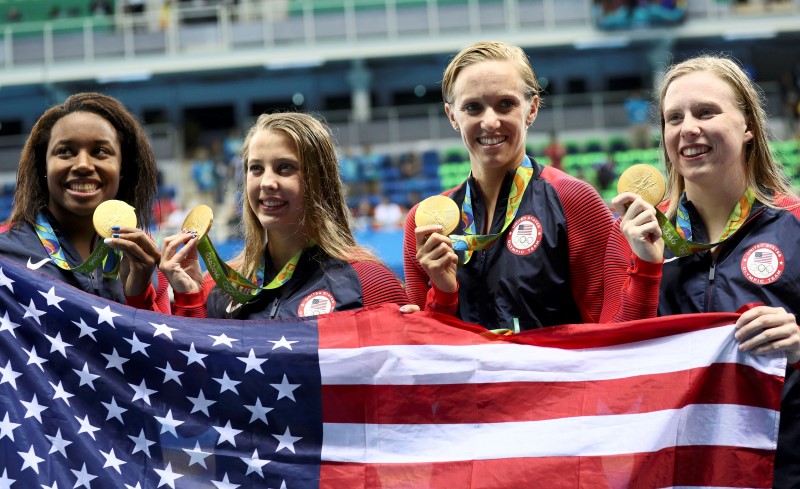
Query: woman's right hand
436	256
640	226
182	266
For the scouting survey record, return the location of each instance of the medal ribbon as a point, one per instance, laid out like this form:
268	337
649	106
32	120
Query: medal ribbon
470	241
230	281
101	255
679	240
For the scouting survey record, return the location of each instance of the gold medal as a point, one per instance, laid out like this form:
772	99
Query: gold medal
199	220
645	181
113	213
439	210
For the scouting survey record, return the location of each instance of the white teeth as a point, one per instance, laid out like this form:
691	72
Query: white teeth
271	203
83	186
694	151
490	141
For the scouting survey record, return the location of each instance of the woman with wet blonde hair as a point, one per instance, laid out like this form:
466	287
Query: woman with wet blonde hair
299	246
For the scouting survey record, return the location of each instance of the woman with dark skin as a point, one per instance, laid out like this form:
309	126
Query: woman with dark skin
80	154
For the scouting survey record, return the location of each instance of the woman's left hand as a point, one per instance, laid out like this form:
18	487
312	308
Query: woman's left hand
765	329
140	256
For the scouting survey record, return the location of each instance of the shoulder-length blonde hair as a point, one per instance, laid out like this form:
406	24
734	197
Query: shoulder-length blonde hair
764	174
138	163
326	216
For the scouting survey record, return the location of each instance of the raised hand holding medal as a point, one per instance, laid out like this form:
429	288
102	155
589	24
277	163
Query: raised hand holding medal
641	188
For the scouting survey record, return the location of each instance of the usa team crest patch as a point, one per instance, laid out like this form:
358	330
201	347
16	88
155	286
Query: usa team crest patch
316	303
525	236
763	263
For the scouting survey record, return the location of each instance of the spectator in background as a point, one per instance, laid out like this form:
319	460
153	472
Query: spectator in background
101	8
203	175
133	7
350	170
606	173
388	215
362	216
790	94
13	15
371	168
555	151
638	110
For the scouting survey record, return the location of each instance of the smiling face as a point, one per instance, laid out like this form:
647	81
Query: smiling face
492	112
275	184
705	132
83	165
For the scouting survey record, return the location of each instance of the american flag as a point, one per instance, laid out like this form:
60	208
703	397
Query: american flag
98	395
762	257
525	230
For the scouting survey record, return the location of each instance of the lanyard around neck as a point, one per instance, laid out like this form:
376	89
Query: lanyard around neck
470	241
102	254
679	239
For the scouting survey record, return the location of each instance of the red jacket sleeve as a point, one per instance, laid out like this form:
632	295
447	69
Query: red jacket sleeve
379	285
606	284
418	285
193	305
151	299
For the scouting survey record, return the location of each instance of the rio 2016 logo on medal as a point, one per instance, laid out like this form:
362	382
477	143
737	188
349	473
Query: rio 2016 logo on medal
763	263
525	236
315	303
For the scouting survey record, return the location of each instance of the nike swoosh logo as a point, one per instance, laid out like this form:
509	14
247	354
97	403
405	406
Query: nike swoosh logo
37	265
667	260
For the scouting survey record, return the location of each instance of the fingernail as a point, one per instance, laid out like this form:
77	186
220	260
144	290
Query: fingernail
115	235
107	240
115	228
403	308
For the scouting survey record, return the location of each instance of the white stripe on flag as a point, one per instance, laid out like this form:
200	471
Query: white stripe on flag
590	435
507	362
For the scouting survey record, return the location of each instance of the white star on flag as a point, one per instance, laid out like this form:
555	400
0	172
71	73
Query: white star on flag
138	346
226	384
224	484
114	411
5	281
163	329
285	389
87	378
33	409
60	393
252	363
193	357
84	478
168	423
30	460
112	461
197	456
227	433
59	444
86	330
115	361
7	428
57	344
171	374
286	440
7	324
254	464
167	476
223	339
86	426
259	411
105	315
31	311
200	403
35	359
52	298
141	392
7	374
141	443
282	343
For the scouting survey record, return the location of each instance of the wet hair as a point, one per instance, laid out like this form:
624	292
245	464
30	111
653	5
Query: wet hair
764	174
138	163
326	218
489	51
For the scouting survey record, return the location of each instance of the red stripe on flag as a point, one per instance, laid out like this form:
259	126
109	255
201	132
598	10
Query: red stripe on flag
386	325
684	466
509	401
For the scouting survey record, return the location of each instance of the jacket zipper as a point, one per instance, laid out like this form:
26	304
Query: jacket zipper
274	311
710	288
